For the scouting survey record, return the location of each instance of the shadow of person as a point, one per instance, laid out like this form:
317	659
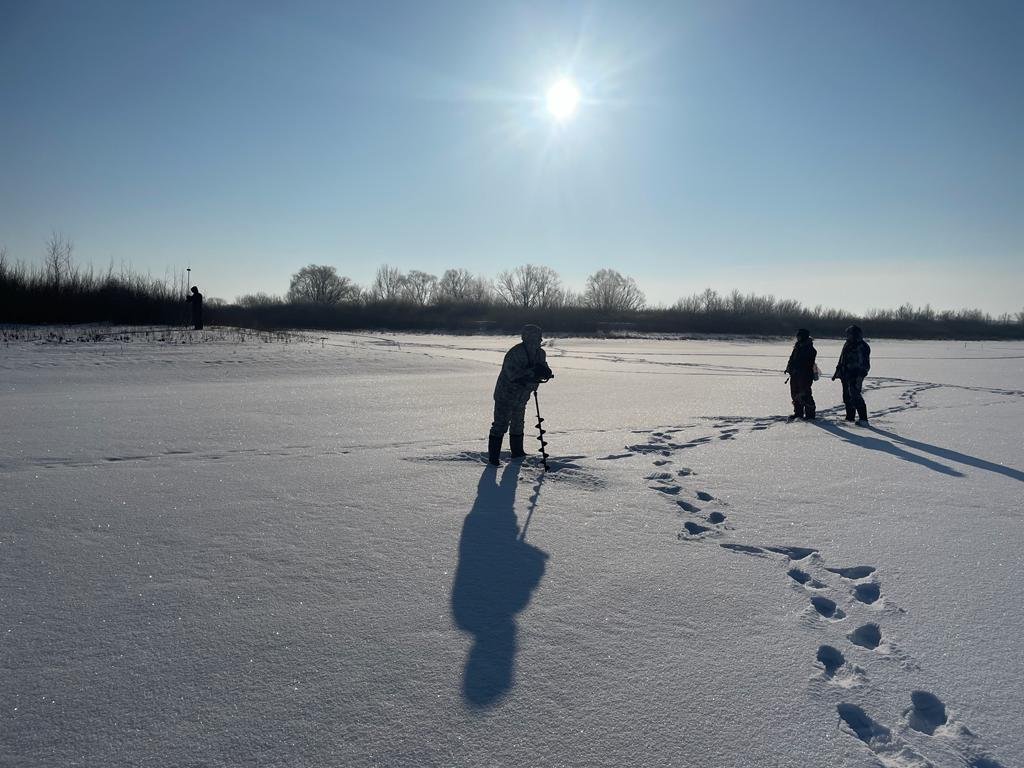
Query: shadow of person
884	446
951	455
494	580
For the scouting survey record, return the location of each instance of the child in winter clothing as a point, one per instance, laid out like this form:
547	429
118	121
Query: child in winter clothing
801	370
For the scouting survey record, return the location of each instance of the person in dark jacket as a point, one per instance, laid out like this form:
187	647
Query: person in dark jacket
523	369
854	364
801	370
196	300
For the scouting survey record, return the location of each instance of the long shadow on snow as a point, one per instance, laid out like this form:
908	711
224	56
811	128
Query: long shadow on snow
494	580
877	444
946	453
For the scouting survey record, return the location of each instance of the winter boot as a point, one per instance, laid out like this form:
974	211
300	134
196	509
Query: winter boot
862	414
494	449
515	444
809	413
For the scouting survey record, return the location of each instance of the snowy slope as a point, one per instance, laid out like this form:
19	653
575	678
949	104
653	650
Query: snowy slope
251	550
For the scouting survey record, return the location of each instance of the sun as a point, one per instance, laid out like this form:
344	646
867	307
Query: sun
562	99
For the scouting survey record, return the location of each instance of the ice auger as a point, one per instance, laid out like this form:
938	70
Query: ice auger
541	431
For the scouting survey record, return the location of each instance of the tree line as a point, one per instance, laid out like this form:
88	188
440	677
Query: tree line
59	291
528	287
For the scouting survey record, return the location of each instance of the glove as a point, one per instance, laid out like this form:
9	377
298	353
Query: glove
541	372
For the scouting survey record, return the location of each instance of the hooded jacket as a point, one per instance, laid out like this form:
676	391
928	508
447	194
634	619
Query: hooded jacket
854	360
801	359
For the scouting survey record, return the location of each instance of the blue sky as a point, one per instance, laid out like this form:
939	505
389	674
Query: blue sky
852	154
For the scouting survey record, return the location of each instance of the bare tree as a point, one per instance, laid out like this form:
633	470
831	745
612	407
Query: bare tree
387	285
453	286
530	286
788	308
609	291
710	301
736	303
321	284
418	288
57	259
480	290
3	262
460	286
252	300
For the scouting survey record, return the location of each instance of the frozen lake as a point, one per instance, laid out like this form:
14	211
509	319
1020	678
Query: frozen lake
285	551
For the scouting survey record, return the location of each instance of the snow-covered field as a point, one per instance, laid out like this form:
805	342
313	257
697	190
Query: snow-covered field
274	551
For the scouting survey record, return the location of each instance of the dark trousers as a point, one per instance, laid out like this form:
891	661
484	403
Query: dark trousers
853	399
510	415
800	391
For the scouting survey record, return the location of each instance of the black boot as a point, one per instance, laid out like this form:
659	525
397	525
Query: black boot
810	407
515	444
862	412
494	449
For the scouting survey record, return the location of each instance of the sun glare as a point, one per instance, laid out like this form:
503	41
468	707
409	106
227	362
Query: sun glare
562	99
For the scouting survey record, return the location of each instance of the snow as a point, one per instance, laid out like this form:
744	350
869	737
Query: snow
225	548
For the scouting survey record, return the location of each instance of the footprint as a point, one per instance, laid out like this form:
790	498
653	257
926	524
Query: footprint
802	577
830	658
827	608
867	593
659	462
659	476
671	490
854	573
927	713
866	636
716	518
695	530
614	456
687	506
684	472
744	548
891	752
705	496
866	729
793	553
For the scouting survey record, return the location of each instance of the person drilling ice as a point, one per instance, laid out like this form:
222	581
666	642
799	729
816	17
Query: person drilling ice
525	367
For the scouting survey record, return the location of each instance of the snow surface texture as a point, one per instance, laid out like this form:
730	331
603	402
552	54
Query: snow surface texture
228	549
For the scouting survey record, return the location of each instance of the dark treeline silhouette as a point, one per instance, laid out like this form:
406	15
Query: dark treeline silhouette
458	301
61	292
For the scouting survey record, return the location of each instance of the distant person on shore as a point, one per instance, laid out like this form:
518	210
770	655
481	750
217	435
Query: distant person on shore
854	364
196	300
524	368
802	374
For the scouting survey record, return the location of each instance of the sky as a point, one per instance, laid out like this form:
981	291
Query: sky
854	155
